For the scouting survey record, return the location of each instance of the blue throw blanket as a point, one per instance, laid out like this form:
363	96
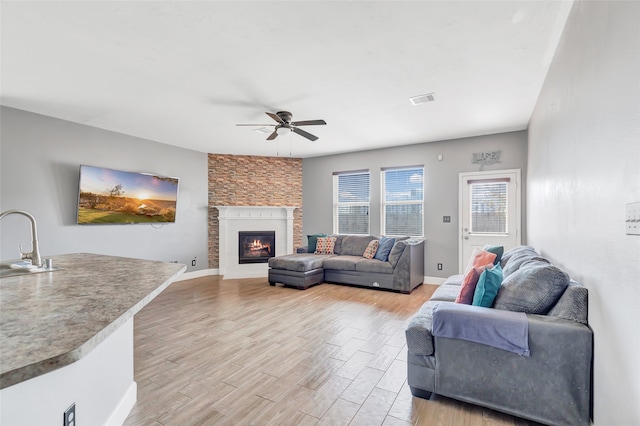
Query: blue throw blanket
506	330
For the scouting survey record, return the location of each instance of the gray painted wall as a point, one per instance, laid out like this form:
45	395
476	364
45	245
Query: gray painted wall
40	158
584	166
441	186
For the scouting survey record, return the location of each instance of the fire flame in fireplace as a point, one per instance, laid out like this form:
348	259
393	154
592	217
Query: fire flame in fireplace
256	246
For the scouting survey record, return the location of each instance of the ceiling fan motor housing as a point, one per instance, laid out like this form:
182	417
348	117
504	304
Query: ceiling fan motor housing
285	116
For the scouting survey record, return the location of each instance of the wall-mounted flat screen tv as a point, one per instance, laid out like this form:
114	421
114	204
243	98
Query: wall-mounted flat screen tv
117	197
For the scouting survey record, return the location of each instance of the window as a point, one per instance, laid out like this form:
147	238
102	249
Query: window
351	203
402	201
488	202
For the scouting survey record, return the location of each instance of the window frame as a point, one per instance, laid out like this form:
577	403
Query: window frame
384	203
337	204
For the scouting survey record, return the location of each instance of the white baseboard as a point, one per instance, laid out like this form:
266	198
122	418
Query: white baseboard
208	272
124	407
434	280
198	274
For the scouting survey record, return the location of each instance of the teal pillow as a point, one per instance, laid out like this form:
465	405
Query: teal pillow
497	250
386	244
487	287
313	241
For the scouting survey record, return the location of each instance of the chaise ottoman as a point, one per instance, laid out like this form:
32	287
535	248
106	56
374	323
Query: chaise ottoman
301	270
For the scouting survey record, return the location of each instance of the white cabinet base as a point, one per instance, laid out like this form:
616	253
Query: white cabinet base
100	384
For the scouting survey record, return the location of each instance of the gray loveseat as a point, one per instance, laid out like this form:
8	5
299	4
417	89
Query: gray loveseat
548	382
402	271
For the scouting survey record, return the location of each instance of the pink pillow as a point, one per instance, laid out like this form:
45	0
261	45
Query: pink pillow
468	287
479	257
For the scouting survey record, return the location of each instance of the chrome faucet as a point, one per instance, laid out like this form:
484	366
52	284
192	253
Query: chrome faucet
34	256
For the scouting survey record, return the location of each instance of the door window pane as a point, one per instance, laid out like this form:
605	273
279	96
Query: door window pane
488	207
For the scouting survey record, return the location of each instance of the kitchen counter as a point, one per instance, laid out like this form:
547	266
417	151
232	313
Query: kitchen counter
52	319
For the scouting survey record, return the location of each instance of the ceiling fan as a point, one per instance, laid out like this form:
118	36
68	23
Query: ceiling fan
285	125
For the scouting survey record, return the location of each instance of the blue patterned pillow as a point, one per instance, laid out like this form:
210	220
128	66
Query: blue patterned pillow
384	248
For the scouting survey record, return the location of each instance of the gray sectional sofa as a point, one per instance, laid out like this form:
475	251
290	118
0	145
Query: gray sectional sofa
402	271
532	365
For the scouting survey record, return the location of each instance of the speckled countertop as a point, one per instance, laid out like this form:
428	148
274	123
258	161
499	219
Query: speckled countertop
52	319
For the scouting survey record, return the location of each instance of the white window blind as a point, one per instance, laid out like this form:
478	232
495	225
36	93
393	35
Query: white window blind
402	201
351	202
488	202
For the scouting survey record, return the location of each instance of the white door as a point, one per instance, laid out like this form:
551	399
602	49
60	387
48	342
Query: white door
490	211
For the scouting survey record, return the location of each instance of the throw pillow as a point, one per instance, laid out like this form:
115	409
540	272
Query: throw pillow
479	257
325	245
371	249
498	250
488	286
312	241
384	248
469	283
533	289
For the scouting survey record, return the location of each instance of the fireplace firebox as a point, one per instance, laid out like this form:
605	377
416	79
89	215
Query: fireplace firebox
256	246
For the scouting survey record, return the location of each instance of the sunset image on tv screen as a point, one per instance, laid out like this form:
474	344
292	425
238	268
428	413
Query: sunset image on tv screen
118	197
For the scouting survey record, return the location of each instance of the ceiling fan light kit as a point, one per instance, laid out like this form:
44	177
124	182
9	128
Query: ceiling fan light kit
285	125
283	131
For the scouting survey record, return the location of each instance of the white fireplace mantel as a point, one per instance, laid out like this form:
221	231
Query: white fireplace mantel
233	219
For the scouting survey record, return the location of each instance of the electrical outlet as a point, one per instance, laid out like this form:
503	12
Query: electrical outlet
173	261
69	418
193	262
446	219
439	266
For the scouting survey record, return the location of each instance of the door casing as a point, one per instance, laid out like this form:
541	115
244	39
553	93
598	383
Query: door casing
514	224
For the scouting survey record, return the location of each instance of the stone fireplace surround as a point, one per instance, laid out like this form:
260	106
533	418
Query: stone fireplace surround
233	219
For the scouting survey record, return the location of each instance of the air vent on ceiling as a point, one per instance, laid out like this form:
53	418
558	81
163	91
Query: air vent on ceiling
422	99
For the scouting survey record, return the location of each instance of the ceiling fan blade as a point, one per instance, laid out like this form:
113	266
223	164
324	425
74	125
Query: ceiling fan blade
275	117
305	134
308	123
255	125
273	135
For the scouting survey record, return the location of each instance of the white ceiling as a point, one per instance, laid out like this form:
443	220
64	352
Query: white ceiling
185	72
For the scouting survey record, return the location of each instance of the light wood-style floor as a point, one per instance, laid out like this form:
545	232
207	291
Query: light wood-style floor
240	352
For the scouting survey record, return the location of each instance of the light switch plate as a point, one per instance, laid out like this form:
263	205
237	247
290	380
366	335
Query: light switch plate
633	219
